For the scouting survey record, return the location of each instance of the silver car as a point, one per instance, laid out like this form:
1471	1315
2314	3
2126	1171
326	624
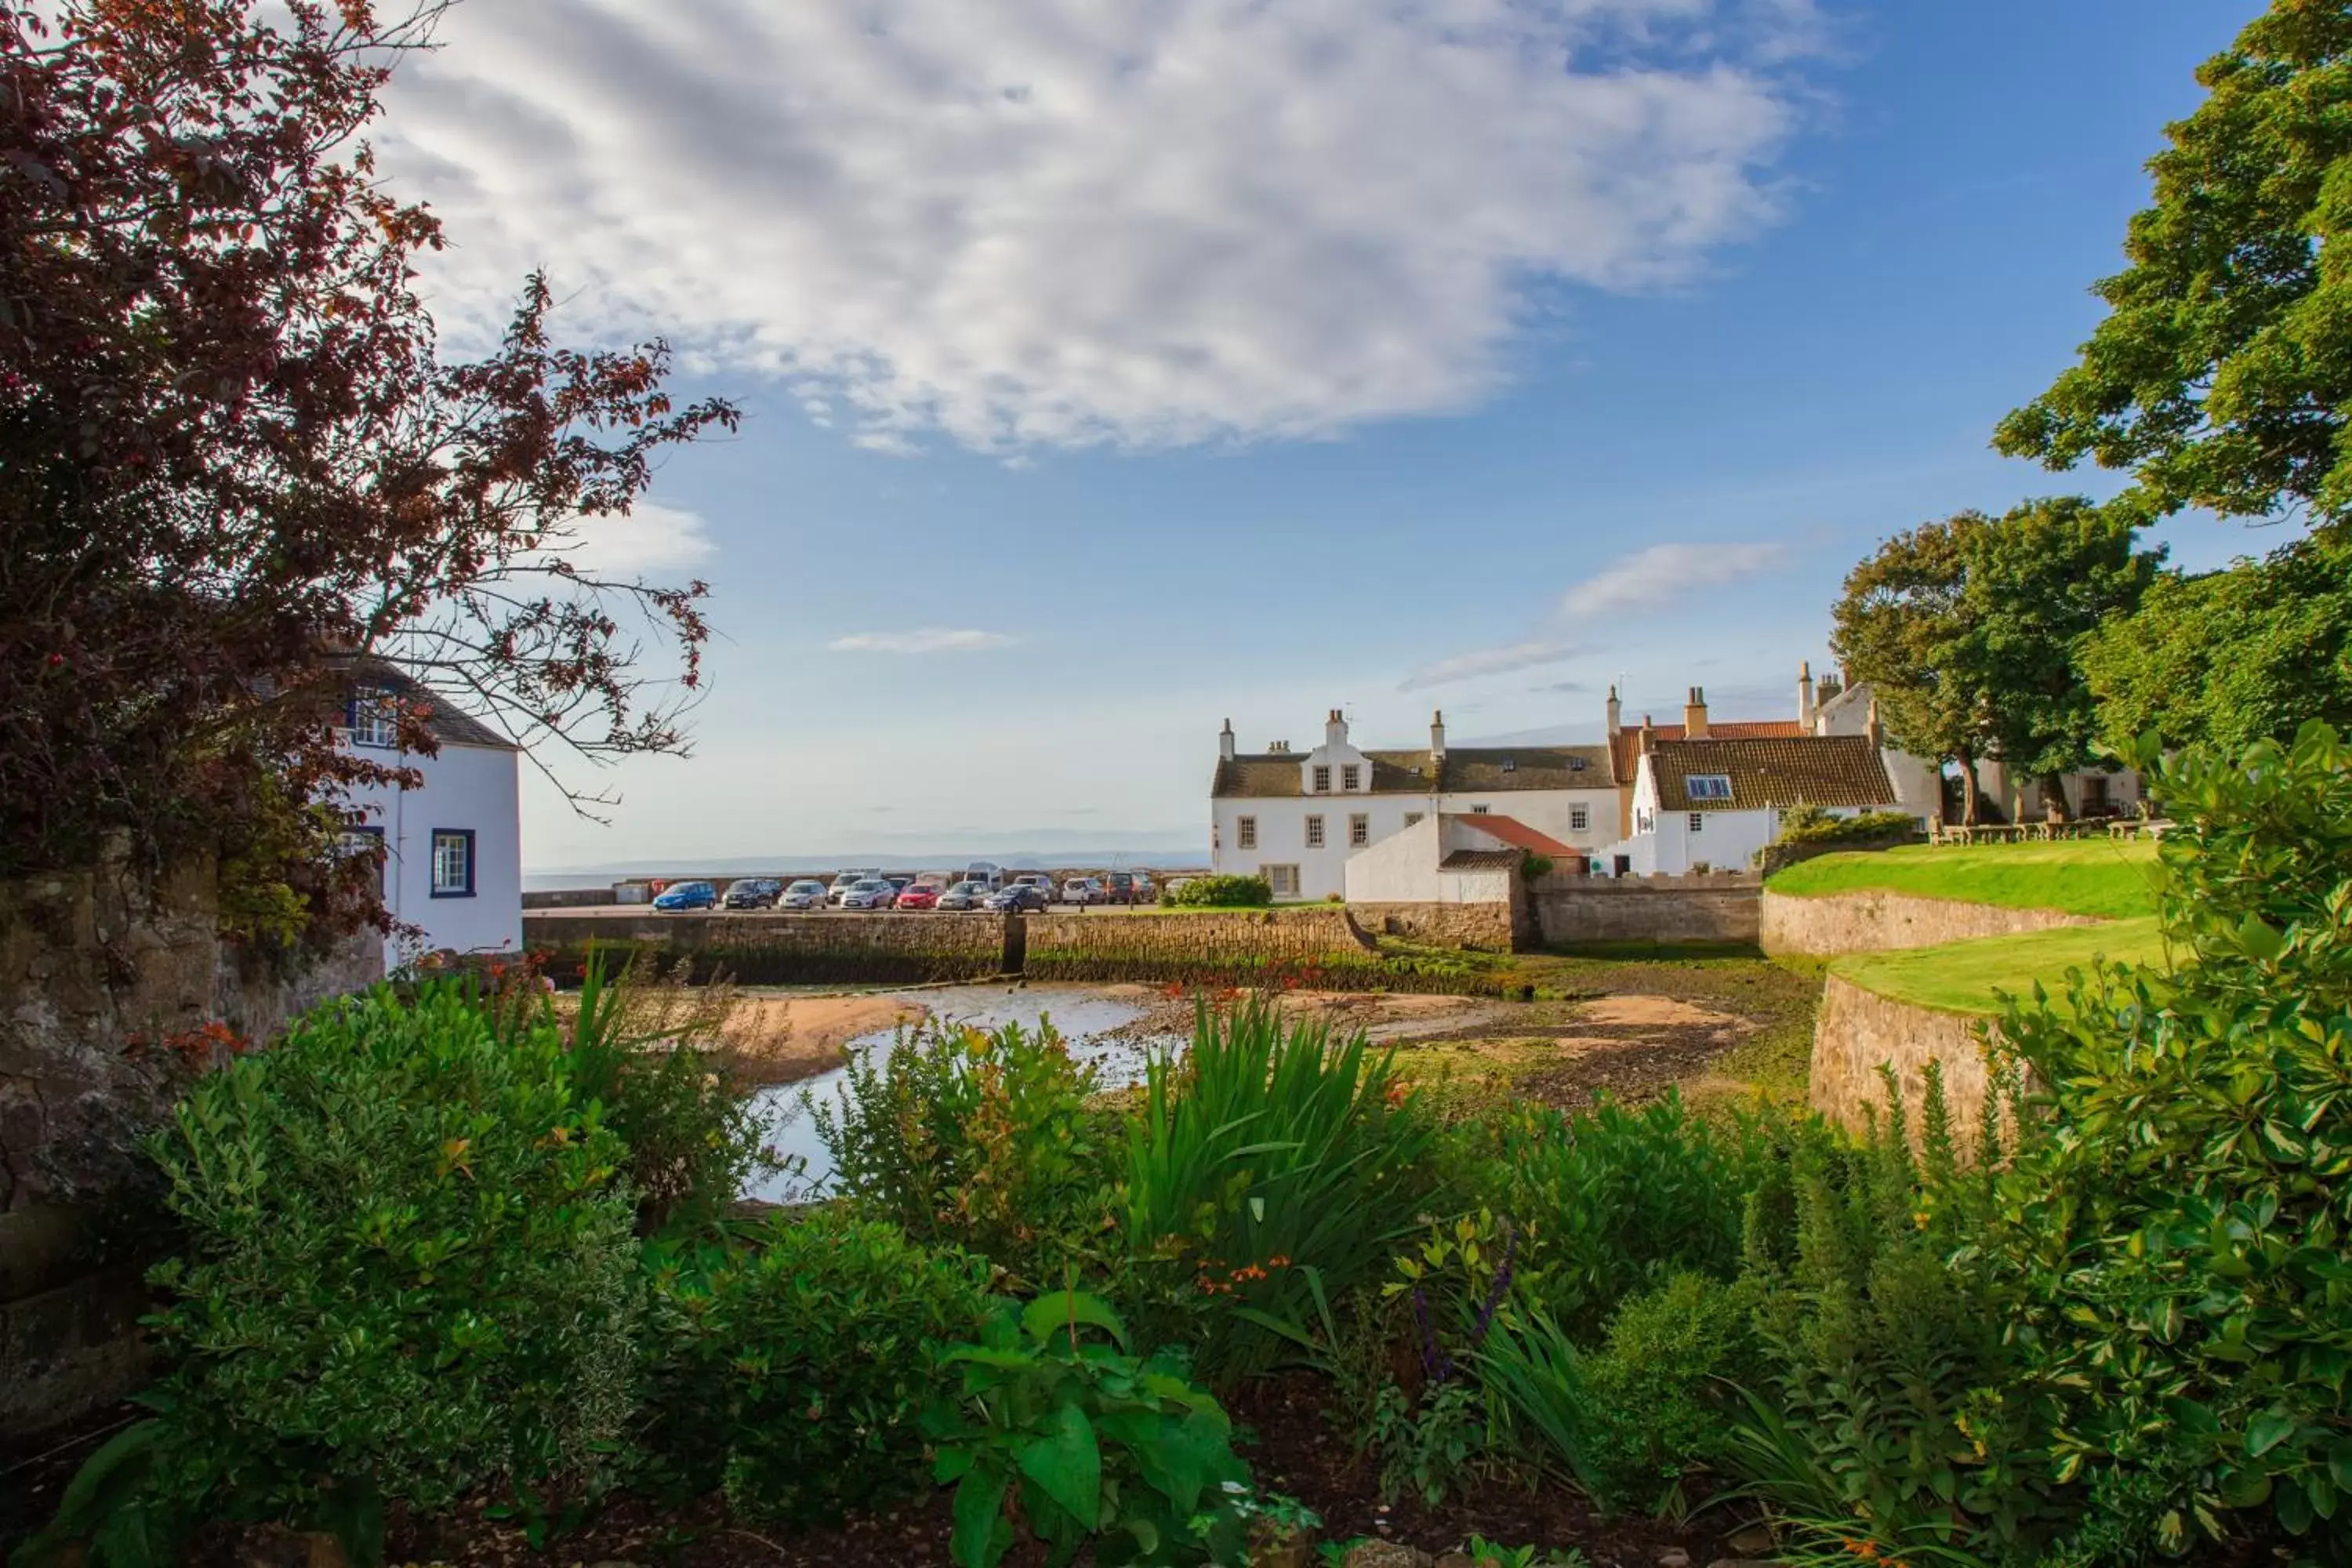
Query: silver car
965	895
1082	890
807	893
873	893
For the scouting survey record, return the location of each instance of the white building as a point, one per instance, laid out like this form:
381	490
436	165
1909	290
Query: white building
1296	817
453	844
1714	803
1449	859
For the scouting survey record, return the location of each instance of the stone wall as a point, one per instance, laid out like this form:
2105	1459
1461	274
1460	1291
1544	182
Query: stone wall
773	948
1702	910
1856	1030
1484	928
1233	948
1877	921
569	898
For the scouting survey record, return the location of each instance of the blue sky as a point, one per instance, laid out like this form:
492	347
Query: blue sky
1112	369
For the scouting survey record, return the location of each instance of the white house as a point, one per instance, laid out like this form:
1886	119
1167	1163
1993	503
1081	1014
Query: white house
1449	859
453	844
1296	817
1715	802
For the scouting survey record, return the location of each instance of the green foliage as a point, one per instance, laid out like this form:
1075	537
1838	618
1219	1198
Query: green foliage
1099	1447
409	1261
2220	376
980	1140
794	1369
2233	656
1658	1390
1427	1444
2082	877
114	1512
1265	1166
1813	825
1221	892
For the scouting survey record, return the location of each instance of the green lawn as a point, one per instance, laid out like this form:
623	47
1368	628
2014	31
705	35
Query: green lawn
2085	876
1962	976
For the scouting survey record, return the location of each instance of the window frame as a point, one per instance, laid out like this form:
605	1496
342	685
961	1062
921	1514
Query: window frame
1580	819
1283	879
1697	821
1482	811
1351	777
377	845
1246	833
1360	829
1703	786
472	839
1316	837
381	707
1321	784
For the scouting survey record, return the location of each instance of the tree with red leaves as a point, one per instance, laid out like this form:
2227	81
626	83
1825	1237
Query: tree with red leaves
232	458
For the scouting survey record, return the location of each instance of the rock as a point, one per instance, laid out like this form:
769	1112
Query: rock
1745	1563
1673	1557
1385	1554
1751	1541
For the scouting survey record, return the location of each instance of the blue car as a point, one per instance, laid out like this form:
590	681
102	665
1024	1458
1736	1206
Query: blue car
688	896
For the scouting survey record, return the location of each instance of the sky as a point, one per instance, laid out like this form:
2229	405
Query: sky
1114	368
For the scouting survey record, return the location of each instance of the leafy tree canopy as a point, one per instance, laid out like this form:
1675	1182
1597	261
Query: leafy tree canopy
2222	374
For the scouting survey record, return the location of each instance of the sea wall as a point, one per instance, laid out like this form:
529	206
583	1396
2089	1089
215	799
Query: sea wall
1875	921
1857	1030
1233	948
1714	909
768	949
1483	927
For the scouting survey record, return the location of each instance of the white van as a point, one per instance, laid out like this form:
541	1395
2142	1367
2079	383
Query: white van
987	873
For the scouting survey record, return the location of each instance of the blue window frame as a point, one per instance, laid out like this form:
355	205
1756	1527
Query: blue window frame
360	839
453	862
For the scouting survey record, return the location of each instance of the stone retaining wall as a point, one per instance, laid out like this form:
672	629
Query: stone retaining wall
1857	1029
1229	948
1701	910
1482	928
1876	922
786	949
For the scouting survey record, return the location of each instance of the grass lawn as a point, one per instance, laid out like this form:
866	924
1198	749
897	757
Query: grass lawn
1962	976
2084	876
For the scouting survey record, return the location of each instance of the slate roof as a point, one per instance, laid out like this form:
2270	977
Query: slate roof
449	724
1802	770
1511	830
1480	860
1625	746
1275	775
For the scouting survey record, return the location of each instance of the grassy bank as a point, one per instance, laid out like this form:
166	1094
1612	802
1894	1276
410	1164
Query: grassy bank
2092	877
1968	977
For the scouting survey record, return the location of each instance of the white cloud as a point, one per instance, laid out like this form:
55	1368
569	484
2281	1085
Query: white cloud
1666	573
651	539
930	639
1061	222
1489	661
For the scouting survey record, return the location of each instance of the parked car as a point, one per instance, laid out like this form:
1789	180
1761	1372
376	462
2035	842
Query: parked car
808	893
1040	880
1025	897
845	881
918	896
687	896
1082	892
987	873
751	893
869	893
965	895
1145	893
1127	888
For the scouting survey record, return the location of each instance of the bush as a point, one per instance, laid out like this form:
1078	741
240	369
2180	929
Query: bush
1265	1166
979	1140
1811	825
1658	1388
409	1264
1099	1447
795	1369
1222	893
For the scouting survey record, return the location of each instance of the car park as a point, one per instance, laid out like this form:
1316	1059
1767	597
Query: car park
686	896
1127	888
1082	892
869	893
751	893
1018	897
845	881
807	893
965	895
918	895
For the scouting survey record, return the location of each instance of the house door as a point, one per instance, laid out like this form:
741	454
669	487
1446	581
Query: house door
1624	865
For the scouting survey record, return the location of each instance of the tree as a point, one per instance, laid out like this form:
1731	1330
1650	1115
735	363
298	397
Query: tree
1968	631
2222	376
2231	657
231	457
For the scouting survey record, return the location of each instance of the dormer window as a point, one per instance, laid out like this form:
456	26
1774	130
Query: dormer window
374	718
1351	777
1322	780
1707	786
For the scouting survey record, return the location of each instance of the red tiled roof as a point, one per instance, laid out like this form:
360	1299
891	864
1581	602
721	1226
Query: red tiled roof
1514	832
1816	770
1625	745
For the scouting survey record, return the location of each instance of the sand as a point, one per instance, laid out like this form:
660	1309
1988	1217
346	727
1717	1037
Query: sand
784	1039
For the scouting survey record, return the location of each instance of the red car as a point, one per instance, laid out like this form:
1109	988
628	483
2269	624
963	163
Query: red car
918	896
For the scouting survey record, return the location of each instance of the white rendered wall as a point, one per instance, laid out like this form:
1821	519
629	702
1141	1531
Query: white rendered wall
469	787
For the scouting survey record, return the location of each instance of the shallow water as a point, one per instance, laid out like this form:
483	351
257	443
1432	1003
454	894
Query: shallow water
1082	1014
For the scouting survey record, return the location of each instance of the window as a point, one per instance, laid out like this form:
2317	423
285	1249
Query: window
1322	781
1315	833
1283	879
1707	786
1697	821
1579	818
374	718
1246	833
1643	819
453	862
1360	830
1411	817
1351	777
1478	810
359	841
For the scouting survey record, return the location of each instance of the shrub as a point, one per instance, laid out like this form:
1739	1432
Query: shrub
982	1140
1812	825
1099	1447
1657	1388
1221	892
1267	1164
409	1264
795	1368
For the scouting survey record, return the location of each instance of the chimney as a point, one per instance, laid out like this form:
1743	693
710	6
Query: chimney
1877	736
1694	714
1649	735
1335	730
1613	710
1437	736
1225	743
1805	695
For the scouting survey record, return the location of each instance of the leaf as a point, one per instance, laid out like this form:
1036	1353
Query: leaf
1046	1315
2267	1431
980	1534
1064	1461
